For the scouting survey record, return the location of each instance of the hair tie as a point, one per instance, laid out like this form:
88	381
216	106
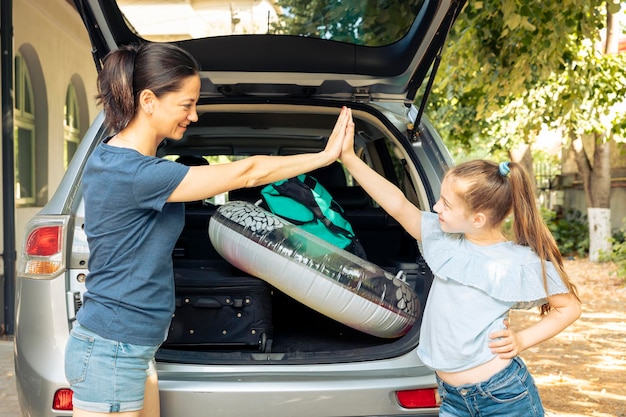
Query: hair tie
504	169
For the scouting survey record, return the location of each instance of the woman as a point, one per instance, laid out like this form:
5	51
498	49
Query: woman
133	216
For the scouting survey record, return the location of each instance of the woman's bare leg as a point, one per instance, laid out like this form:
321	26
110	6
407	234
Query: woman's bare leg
151	404
83	413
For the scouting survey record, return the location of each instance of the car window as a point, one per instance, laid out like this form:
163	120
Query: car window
368	23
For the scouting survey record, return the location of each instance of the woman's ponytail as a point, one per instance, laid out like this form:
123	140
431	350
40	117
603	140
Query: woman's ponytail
115	87
126	72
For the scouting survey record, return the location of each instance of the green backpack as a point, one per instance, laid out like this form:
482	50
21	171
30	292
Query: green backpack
306	203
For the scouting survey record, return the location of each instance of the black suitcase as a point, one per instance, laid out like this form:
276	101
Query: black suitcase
219	306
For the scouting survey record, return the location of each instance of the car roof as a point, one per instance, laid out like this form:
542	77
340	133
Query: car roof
354	66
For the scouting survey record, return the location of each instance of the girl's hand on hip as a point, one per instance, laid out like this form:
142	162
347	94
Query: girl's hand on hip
505	343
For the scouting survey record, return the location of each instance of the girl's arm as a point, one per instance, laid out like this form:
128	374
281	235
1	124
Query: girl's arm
206	181
565	310
387	195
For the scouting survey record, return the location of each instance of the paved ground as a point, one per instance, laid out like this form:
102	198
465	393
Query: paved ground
8	394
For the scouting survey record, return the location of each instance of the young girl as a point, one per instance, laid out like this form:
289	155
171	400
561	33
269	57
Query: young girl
133	216
479	277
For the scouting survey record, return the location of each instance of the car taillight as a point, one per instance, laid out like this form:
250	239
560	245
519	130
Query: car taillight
418	398
45	241
42	252
62	400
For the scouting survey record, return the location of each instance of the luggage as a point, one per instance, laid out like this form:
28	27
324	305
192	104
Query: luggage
303	201
219	306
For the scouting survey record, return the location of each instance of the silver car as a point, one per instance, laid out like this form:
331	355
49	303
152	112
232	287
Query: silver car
273	81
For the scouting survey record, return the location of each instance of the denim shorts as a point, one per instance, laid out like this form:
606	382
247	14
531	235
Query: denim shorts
107	376
509	393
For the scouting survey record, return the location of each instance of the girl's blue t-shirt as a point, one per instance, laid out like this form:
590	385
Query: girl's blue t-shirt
473	290
131	231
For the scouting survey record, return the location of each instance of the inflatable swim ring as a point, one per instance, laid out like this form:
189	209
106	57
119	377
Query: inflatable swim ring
325	278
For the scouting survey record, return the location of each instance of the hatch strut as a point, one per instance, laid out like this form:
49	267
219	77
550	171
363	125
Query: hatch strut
98	44
416	132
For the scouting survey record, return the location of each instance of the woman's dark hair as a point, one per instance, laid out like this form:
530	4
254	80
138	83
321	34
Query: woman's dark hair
127	71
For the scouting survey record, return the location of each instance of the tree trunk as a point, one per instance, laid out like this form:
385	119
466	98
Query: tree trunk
596	179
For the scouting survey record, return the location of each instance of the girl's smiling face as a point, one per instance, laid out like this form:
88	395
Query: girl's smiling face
174	111
452	211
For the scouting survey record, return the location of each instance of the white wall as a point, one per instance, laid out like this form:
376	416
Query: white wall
575	199
54	33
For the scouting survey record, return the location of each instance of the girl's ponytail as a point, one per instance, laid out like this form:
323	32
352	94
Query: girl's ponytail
530	229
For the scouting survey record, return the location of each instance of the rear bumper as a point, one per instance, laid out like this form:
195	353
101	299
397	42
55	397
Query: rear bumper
362	389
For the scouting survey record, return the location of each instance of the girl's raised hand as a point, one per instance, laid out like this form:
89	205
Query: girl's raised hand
348	144
339	134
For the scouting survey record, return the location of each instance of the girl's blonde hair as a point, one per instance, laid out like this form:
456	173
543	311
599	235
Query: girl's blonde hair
499	191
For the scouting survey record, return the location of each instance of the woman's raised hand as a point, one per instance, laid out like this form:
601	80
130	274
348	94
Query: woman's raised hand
340	134
347	149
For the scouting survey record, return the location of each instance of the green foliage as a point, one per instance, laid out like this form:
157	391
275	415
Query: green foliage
513	66
570	230
372	22
618	252
589	93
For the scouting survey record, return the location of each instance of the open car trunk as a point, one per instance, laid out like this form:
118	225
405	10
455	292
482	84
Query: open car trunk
298	58
225	315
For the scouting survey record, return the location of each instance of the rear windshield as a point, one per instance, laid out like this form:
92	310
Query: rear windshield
368	23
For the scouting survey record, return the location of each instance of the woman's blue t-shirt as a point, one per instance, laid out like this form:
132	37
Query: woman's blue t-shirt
131	231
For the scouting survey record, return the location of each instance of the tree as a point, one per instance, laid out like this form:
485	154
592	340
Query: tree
596	78
512	67
371	22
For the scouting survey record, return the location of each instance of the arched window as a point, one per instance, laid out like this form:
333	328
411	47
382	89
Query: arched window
24	119
71	125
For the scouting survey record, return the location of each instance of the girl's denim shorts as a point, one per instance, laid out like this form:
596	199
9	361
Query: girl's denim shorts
107	376
509	393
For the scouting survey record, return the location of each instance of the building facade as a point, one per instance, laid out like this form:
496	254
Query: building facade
54	89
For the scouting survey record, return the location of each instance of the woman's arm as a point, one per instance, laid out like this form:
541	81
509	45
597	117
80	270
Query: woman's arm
386	194
565	310
206	181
